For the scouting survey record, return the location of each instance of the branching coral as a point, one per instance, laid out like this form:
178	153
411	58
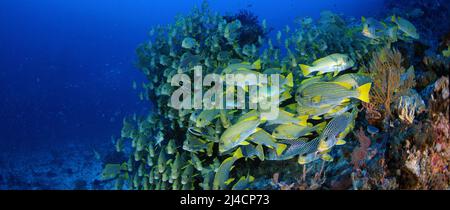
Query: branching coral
386	70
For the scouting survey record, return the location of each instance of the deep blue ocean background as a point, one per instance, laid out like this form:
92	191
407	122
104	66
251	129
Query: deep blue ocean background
66	66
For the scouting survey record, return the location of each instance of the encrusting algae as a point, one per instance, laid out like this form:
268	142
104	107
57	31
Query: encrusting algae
320	100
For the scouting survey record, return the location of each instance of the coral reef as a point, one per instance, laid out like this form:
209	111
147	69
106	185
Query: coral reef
326	67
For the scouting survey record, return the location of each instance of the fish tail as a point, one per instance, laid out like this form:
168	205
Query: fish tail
286	95
321	126
303	120
302	160
306	70
228	182
257	64
393	18
323	146
327	157
280	148
341	142
364	92
238	154
290	80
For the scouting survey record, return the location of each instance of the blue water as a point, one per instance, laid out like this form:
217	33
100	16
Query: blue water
66	66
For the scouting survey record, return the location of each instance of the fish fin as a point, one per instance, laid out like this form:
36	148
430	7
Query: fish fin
341	142
261	152
363	19
364	92
343	84
327	157
321	126
244	143
393	19
322	146
281	148
325	151
316	118
345	101
305	69
286	95
258	130
250	118
257	64
238	154
316	99
228	182
302	160
303	120
335	73
290	80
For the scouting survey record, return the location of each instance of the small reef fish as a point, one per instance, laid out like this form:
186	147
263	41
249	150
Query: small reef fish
315	113
208	178
221	178
196	162
233	68
321	94
336	126
195	144
300	147
186	176
111	171
206	117
189	43
250	151
162	161
353	79
285	117
305	159
176	167
296	147
189	60
171	147
293	131
333	63
236	134
405	26
372	28
261	137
